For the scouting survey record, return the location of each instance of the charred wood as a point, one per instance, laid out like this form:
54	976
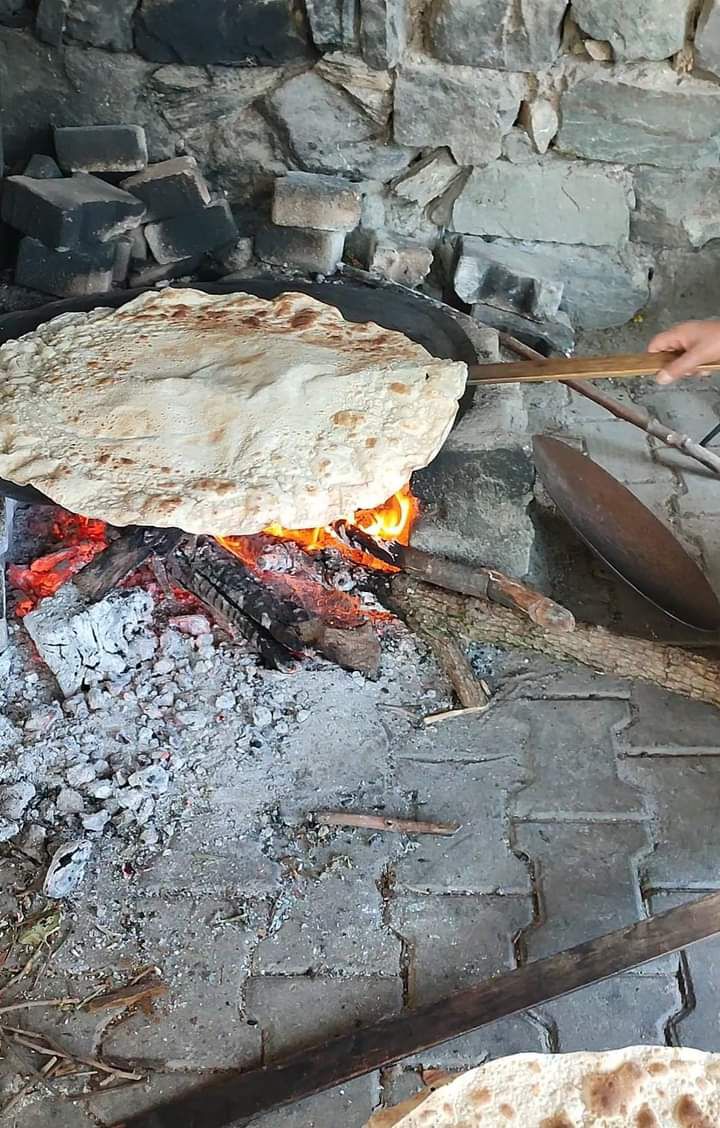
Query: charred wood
123	556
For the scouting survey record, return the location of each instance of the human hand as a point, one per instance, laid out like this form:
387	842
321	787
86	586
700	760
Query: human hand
698	343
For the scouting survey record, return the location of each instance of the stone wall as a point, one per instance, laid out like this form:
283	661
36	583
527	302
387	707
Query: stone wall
549	147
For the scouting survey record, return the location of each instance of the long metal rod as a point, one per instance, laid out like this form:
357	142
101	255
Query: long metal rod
233	1099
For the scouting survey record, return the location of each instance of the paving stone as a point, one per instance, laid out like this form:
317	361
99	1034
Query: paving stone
572	762
202	1023
169	188
703	532
701	496
707	37
468	109
124	1102
682	795
590	205
585	874
676	206
601	286
665	724
51	1113
191	233
101	148
65	273
627	1010
42	167
647	31
474	507
478	858
383	31
294	1011
498	737
101	23
697	1025
485	33
221	31
350	1105
625	453
641	114
325	203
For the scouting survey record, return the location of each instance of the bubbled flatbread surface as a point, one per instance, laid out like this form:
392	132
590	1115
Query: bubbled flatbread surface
220	414
638	1087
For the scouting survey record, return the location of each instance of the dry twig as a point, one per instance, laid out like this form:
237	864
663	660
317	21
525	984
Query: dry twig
380	822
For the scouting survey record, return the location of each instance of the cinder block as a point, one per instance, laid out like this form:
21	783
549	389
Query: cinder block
101	148
192	233
300	248
67	273
308	199
69	213
42	167
169	188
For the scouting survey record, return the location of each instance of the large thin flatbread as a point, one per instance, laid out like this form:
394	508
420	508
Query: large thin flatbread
637	1087
220	414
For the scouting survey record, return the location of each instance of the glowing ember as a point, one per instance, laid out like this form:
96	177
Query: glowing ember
82	539
392	521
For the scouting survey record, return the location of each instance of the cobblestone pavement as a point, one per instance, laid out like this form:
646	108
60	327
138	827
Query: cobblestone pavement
586	802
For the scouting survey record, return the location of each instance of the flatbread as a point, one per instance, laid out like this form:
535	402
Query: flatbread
220	414
637	1087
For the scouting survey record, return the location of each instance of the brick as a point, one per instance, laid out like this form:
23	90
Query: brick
101	148
478	858
295	248
68	213
64	273
682	798
169	188
627	1010
42	167
572	762
586	879
665	724
294	1011
201	1025
325	203
192	233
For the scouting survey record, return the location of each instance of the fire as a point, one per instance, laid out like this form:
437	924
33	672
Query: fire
392	521
82	539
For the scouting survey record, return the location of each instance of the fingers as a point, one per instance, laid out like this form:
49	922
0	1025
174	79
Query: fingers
669	341
686	365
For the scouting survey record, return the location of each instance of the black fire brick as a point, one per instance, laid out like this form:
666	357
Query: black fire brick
192	233
101	148
67	213
65	274
169	188
40	167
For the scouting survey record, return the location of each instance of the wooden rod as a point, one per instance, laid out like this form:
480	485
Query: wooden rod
575	368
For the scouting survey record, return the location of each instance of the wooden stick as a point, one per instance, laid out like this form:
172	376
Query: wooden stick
468	689
575	368
439	614
122	557
380	822
454	714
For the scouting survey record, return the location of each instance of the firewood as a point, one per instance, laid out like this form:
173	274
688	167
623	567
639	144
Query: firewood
122	557
382	822
468	689
438	614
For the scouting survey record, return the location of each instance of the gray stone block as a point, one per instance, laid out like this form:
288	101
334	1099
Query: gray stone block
676	207
221	31
101	148
69	213
652	30
41	167
572	765
169	188
586	875
328	130
494	33
707	37
333	24
325	203
465	108
627	1010
235	256
428	178
101	23
383	31
295	248
123	254
395	257
478	858
50	21
148	273
65	274
589	205
192	233
557	335
641	115
481	275
602	286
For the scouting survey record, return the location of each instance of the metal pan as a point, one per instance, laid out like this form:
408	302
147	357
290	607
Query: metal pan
626	535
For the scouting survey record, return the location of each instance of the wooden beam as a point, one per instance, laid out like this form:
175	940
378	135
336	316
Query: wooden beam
575	368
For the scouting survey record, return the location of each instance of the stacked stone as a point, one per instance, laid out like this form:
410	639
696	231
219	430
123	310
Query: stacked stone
311	215
559	147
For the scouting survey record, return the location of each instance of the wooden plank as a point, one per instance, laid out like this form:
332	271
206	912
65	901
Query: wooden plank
575	368
232	1099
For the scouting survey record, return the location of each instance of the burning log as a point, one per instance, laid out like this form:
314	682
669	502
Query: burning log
123	556
235	588
437	614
